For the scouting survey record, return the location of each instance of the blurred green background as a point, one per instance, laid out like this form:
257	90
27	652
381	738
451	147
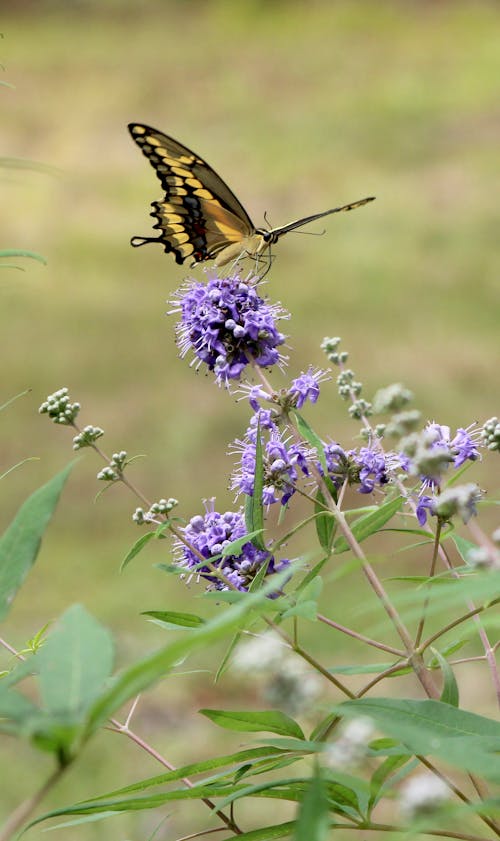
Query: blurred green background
299	106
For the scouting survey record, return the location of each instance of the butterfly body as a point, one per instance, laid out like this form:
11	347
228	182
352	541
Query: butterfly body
200	217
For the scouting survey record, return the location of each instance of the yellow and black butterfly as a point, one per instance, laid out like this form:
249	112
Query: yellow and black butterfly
200	217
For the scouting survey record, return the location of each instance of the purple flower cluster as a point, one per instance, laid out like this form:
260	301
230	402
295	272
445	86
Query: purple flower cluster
283	462
209	535
367	466
226	324
372	469
430	453
306	387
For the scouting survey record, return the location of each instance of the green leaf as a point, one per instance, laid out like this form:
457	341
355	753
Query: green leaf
379	777
306	601
308	433
464	546
271	721
313	821
325	524
21	252
254	508
268	833
368	669
74	663
136	548
139	676
235	547
232	762
435	728
20	543
449	694
12	400
172	619
369	523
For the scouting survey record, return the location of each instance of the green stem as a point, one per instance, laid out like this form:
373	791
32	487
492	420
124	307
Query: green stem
24	811
420	629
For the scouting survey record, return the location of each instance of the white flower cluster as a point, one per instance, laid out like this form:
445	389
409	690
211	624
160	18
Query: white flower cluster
288	683
351	747
422	795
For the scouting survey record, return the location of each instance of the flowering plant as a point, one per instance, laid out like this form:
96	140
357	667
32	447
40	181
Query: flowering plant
369	762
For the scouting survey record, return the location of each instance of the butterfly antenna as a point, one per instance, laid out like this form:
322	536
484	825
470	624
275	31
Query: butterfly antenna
310	233
266	220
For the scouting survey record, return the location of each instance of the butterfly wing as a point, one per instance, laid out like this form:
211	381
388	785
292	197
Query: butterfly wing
200	215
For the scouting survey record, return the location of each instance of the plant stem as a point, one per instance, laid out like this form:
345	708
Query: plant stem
420	629
20	815
126	731
350	633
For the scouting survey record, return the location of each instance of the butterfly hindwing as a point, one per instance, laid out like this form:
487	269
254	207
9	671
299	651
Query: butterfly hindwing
199	215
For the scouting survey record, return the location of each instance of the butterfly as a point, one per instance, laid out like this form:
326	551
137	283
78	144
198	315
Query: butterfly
200	217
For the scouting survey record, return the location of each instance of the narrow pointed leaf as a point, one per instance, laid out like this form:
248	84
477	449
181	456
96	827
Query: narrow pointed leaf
254	509
433	728
20	543
313	821
136	548
271	721
449	694
369	523
172	619
325	523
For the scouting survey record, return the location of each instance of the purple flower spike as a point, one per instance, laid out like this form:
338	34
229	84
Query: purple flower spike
210	535
226	324
283	462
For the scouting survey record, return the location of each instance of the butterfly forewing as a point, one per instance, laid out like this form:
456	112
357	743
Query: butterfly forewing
199	215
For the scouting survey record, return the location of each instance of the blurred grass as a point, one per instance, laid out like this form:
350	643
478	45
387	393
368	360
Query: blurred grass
299	106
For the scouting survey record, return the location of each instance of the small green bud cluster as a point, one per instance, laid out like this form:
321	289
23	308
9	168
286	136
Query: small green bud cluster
161	508
490	434
378	432
391	399
360	408
403	423
114	470
59	409
348	385
330	347
87	437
